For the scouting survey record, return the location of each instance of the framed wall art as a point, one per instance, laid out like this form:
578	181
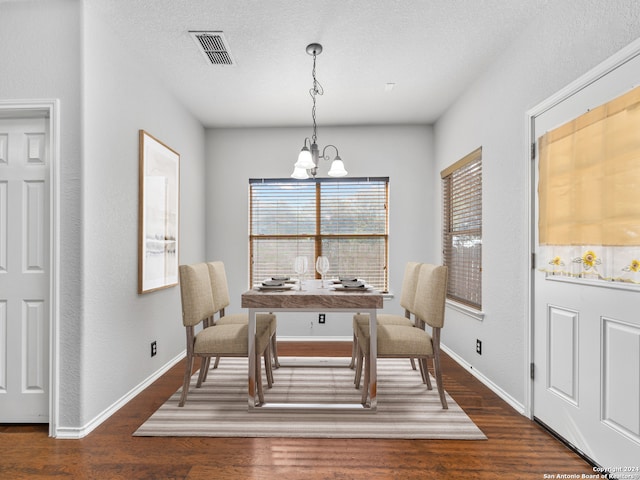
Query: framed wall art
158	214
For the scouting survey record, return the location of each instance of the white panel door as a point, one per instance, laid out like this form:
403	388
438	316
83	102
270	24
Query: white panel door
587	368
587	336
24	271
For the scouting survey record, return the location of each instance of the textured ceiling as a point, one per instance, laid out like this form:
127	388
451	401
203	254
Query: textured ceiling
431	49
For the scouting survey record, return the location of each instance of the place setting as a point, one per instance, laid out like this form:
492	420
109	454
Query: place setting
276	283
350	284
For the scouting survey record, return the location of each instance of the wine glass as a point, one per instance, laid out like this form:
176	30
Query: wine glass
300	266
322	266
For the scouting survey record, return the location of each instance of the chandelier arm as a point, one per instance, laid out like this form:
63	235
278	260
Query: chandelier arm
327	157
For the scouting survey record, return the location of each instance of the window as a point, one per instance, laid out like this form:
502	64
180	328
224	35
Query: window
345	219
589	177
462	229
589	214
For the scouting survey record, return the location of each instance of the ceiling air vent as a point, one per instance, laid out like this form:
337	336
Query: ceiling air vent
214	47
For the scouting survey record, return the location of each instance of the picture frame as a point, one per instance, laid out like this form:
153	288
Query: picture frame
158	214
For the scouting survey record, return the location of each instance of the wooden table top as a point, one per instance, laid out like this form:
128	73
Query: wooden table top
312	297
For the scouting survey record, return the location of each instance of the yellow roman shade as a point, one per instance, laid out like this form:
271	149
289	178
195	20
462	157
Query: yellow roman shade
589	183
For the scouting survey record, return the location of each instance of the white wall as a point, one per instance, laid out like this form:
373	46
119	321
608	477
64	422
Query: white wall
120	97
40	59
403	153
553	52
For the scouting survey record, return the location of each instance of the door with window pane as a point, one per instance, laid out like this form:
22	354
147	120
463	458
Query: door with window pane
586	329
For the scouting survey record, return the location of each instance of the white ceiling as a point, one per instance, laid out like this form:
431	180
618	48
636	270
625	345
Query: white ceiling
431	49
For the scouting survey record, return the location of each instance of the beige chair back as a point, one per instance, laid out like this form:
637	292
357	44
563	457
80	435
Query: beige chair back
409	284
219	288
431	294
195	292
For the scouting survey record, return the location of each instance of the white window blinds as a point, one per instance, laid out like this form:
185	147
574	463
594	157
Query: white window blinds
344	219
462	229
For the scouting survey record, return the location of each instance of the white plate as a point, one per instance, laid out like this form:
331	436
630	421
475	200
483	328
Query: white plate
274	287
288	281
342	288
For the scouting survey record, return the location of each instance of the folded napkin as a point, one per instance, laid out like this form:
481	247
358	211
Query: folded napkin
273	283
280	278
352	284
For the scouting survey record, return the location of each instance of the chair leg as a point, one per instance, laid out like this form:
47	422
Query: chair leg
354	351
422	368
421	365
267	366
413	363
274	350
203	371
185	382
259	379
359	361
215	364
424	371
206	370
438	372
365	385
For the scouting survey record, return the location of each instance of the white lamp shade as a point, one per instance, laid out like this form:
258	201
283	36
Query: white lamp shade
304	159
299	173
337	169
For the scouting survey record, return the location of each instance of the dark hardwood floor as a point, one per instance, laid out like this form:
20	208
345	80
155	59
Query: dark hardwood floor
516	447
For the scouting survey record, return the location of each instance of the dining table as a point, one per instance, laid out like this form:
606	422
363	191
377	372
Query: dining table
314	296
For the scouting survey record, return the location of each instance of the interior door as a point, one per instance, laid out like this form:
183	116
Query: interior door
587	336
24	265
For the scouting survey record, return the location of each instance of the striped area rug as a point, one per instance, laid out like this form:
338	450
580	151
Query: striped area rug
406	409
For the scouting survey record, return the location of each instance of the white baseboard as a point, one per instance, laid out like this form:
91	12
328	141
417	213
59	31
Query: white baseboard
80	432
516	405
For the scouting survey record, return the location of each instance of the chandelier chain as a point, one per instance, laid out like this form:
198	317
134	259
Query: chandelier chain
315	90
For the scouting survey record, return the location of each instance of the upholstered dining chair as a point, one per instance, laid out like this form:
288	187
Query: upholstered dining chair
221	300
407	296
213	340
400	341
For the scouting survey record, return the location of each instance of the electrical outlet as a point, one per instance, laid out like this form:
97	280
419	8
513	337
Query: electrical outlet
321	318
478	347
154	348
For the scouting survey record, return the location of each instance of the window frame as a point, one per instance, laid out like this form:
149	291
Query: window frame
465	276
318	236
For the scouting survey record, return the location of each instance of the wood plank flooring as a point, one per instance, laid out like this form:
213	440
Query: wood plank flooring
516	449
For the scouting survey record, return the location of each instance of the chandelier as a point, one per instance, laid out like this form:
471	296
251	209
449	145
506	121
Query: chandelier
309	157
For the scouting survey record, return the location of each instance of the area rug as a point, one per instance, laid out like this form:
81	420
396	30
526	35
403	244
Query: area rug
406	409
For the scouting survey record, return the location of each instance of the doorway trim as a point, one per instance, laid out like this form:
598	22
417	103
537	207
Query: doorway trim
50	110
615	61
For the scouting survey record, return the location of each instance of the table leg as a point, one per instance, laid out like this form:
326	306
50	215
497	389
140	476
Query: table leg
251	360
373	367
